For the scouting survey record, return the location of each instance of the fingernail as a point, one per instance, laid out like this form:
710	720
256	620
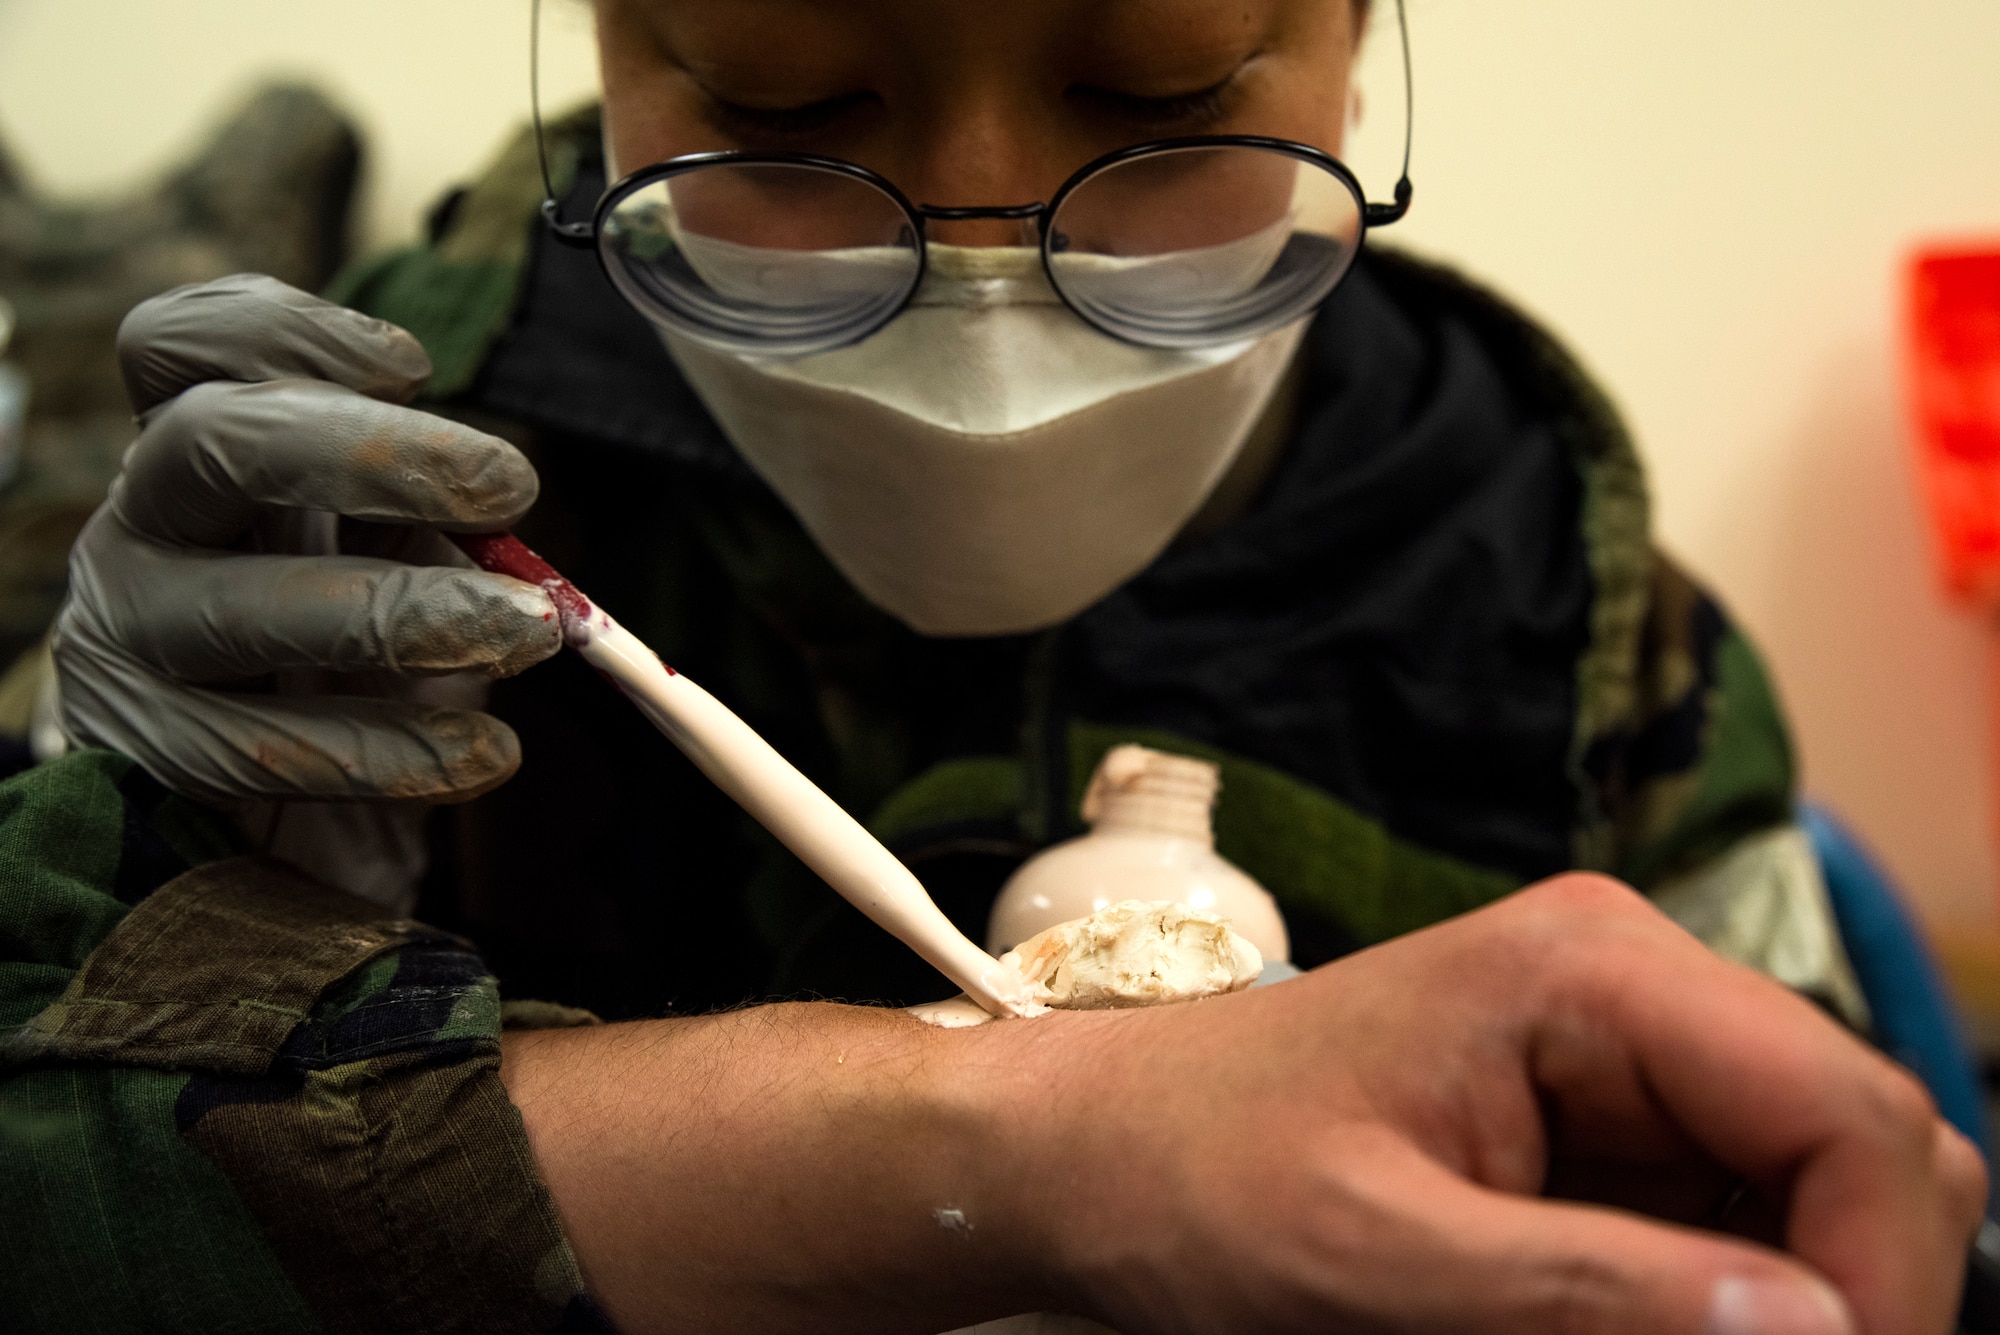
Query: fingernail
1802	1306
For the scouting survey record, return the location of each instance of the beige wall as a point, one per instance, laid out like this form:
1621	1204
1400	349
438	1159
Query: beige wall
92	95
1709	198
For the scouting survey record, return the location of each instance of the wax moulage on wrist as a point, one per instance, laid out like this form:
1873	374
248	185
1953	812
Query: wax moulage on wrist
1136	954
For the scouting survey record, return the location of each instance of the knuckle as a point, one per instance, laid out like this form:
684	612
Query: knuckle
185	419
1906	1100
1962	1172
200	401
137	330
1586	892
62	640
1897	1106
253	328
191	422
175	306
1577	1295
1574	910
189	317
1592	937
101	535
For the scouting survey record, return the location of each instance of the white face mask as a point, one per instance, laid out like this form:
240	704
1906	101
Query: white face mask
987	463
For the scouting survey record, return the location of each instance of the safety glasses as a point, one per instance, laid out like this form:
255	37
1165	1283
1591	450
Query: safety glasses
1178	243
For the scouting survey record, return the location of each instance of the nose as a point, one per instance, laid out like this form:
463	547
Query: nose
979	158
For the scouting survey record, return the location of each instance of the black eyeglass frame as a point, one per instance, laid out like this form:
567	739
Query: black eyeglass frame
581	235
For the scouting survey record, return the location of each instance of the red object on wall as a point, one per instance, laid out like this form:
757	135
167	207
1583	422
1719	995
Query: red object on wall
1954	386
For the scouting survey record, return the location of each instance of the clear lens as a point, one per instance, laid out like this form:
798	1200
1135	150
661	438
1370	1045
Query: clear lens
777	258
1191	247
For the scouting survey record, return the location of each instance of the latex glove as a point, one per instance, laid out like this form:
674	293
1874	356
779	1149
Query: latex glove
211	571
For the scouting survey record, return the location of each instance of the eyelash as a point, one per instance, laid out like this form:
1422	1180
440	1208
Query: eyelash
1204	106
782	122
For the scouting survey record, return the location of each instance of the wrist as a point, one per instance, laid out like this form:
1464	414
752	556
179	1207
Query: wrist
1033	1108
798	1167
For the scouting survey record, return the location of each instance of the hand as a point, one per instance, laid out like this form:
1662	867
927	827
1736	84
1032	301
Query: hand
1360	1149
213	572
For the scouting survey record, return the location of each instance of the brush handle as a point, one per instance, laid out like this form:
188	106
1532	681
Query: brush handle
764	783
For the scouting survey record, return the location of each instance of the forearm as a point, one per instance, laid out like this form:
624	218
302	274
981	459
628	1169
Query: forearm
787	1168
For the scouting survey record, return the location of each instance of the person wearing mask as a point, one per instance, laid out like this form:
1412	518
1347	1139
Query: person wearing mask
1015	385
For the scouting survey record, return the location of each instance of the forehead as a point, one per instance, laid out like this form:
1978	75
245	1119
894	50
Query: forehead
777	33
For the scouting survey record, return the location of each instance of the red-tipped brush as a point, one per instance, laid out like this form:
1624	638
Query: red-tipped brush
745	766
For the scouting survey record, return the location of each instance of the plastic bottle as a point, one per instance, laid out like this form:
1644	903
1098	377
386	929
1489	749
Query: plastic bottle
1151	839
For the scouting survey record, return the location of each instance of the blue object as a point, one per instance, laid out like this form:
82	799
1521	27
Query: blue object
1915	1021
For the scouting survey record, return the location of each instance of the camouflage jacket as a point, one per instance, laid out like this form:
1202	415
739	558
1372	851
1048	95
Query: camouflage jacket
1436	657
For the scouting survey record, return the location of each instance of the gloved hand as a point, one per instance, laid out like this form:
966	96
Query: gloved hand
227	628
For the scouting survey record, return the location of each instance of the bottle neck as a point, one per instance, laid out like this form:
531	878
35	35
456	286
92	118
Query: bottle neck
1154	793
1175	817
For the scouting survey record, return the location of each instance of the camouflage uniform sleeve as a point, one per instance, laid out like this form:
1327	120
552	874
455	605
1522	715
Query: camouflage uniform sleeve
457	291
232	1099
1699	790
